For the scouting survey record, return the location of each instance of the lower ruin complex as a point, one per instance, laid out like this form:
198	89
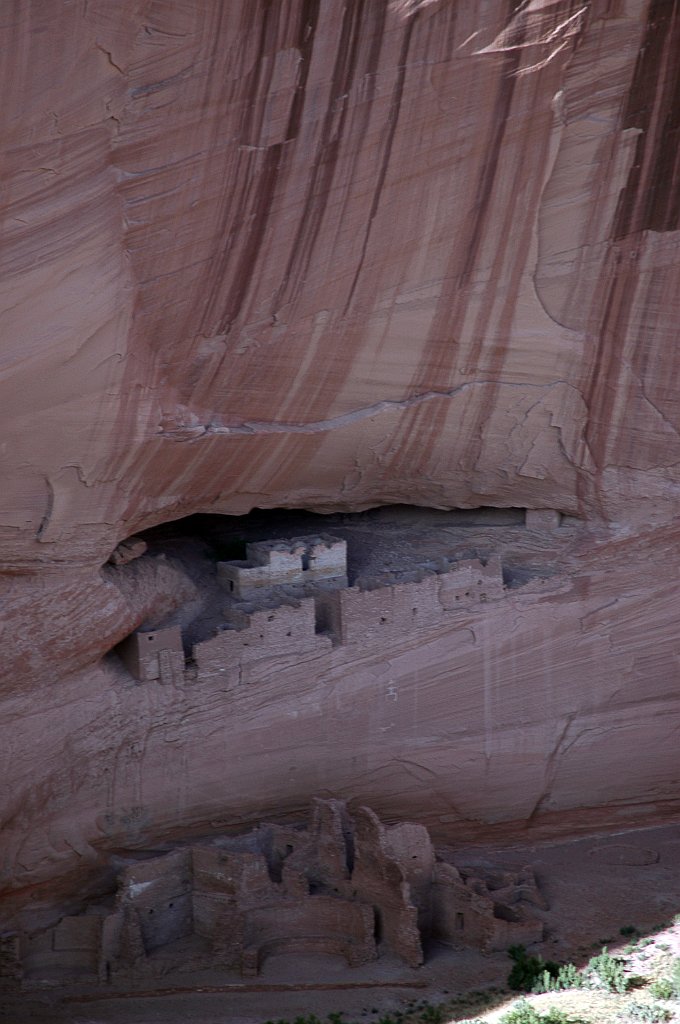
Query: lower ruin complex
346	884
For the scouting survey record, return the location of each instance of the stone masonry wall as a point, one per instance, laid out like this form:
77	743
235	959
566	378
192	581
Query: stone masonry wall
314	624
355	615
287	629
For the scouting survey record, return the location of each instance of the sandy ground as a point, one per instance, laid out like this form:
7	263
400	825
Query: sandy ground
595	886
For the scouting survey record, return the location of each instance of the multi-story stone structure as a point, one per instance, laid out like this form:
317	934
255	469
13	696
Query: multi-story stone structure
274	565
292	598
346	885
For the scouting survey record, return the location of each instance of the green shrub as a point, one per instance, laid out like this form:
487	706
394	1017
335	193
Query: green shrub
675	977
662	989
433	1015
568	976
605	971
544	983
554	1016
523	1013
650	1013
668	988
528	970
628	931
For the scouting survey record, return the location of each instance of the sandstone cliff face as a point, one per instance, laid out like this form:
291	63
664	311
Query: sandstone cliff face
330	255
335	254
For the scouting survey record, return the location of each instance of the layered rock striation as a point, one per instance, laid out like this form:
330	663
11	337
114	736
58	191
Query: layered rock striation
329	256
335	255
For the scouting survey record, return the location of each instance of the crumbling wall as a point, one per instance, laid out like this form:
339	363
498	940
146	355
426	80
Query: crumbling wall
332	841
318	924
331	613
346	884
325	560
286	629
382	613
217	918
470	909
513	925
380	880
276	564
410	846
460	916
70	949
159	890
470	583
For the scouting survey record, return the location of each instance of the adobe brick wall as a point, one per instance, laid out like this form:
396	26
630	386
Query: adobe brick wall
470	583
387	612
323	923
265	569
460	917
347	884
154	654
333	614
271	565
287	629
379	880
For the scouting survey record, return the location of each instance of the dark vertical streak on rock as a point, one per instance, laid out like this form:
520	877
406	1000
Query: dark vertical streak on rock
618	292
487	349
49	508
651	198
257	208
454	295
504	96
393	118
325	163
261	206
650	201
309	18
319	382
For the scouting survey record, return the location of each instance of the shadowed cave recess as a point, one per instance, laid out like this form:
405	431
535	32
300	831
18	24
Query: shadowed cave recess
385	545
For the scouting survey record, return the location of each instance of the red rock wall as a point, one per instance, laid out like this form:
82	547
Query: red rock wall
331	255
334	255
555	709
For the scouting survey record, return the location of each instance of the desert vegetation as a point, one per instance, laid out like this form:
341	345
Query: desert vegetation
640	984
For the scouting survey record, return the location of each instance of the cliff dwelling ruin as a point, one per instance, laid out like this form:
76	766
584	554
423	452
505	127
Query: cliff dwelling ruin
346	885
339	503
293	594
